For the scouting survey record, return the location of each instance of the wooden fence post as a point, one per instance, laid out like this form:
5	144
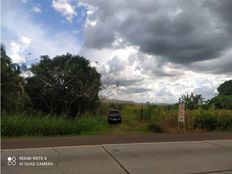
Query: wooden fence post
141	113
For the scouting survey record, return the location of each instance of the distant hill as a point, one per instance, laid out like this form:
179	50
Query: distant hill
107	100
118	101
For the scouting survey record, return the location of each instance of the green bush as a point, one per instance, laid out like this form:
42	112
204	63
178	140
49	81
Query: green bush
221	102
208	122
225	119
212	119
154	127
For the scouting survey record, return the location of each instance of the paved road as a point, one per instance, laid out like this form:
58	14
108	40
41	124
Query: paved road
15	143
195	157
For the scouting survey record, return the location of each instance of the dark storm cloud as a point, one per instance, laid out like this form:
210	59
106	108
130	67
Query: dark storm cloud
223	10
216	66
186	38
129	82
99	37
182	32
121	82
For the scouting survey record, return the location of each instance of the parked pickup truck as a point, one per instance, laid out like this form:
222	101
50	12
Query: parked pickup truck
114	116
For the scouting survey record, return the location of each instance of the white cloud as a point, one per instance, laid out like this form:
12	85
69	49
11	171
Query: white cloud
90	11
162	81
65	8
25	40
37	39
17	49
36	9
90	23
141	78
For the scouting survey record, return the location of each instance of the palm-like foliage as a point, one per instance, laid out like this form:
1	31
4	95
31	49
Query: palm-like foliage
192	101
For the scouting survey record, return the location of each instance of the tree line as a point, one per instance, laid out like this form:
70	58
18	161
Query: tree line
66	84
222	101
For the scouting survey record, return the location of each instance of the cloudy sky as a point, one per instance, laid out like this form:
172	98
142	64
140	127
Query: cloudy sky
146	50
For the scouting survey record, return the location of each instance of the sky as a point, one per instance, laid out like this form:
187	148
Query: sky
147	51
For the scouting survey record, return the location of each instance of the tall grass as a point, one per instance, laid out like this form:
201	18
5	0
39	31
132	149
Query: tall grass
165	115
156	118
21	125
210	119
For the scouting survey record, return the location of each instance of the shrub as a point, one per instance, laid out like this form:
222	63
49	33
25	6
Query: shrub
212	119
225	119
208	122
221	102
154	127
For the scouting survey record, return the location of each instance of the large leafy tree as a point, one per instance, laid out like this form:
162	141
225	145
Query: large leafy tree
12	91
224	98
65	84
225	88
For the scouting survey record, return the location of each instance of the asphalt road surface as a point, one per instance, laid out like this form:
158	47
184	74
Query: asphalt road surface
186	157
35	142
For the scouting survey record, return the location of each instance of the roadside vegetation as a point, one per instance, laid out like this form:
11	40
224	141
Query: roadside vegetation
46	125
61	97
156	119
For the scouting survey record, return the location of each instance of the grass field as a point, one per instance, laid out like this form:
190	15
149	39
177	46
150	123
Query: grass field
154	119
21	125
